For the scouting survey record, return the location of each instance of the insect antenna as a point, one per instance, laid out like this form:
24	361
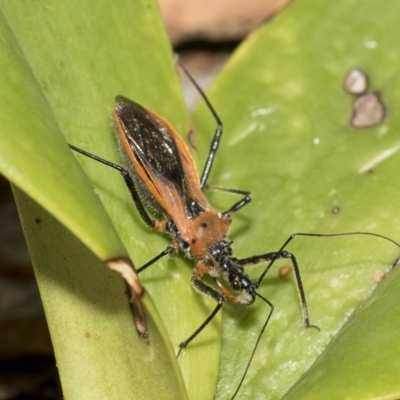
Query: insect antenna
256	344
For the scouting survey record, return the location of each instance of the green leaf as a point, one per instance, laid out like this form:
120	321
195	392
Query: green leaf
98	352
289	141
366	342
63	63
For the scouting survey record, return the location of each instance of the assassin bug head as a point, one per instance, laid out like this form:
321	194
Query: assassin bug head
161	173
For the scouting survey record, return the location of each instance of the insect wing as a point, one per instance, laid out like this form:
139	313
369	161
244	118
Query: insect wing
160	158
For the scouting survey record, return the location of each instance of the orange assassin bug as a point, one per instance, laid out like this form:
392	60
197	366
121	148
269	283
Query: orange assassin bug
160	172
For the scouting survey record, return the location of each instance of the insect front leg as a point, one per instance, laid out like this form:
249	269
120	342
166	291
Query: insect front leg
281	253
272	257
207	290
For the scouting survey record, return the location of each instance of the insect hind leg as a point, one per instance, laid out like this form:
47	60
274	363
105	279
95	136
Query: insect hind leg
128	182
217	134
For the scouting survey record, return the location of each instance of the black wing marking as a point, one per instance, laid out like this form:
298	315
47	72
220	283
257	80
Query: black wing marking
155	147
151	141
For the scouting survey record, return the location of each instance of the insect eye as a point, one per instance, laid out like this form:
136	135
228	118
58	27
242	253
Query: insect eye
236	284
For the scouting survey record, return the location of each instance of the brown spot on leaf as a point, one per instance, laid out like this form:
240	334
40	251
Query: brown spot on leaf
356	82
368	110
284	272
378	276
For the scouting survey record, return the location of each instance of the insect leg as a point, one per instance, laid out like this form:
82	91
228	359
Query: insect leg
170	250
210	159
322	235
218	131
256	344
128	181
207	290
237	206
282	253
271	257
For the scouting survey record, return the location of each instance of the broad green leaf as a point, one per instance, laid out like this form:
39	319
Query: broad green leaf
367	342
287	139
63	63
98	352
